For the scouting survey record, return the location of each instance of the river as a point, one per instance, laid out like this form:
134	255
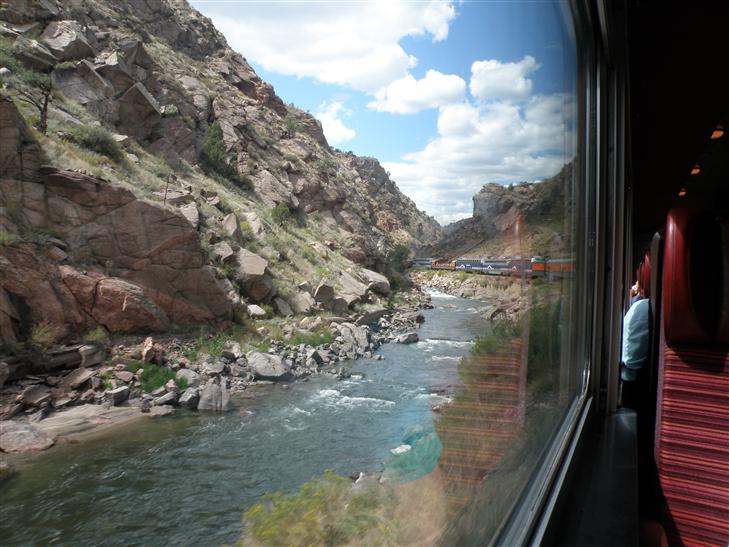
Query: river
186	480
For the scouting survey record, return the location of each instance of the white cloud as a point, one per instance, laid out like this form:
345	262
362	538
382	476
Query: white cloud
347	43
498	141
494	80
408	95
334	129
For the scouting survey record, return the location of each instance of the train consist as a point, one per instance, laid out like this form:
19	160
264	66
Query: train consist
514	266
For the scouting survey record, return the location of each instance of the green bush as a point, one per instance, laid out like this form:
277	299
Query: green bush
97	335
7	238
292	123
214	157
281	214
503	331
325	165
97	139
155	376
43	335
325	511
316	338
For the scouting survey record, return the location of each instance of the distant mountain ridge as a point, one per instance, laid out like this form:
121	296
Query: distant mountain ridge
537	208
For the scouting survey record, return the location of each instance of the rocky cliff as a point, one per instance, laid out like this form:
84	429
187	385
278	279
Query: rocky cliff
169	184
524	219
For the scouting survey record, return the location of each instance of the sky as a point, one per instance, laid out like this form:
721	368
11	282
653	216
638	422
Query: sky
448	95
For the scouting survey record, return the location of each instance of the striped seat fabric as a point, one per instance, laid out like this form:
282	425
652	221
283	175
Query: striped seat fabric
692	422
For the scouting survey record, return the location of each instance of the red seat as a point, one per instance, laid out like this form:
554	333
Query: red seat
692	421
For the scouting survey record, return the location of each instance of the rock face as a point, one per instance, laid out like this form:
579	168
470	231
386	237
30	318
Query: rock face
160	76
150	266
268	367
496	211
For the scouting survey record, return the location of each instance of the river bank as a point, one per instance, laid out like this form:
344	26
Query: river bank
158	477
152	377
504	297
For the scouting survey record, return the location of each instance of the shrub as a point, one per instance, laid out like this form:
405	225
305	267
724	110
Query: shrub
213	345
97	335
43	335
307	253
292	123
281	214
7	238
97	139
325	165
214	157
154	376
317	338
502	332
324	511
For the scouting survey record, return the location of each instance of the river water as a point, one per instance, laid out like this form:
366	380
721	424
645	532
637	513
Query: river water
186	480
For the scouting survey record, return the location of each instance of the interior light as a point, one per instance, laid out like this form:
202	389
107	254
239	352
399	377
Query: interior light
696	170
682	192
718	133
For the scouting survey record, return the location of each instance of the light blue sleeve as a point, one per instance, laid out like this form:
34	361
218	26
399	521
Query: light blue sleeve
636	325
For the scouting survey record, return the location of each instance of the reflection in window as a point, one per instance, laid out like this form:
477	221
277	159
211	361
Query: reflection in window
456	479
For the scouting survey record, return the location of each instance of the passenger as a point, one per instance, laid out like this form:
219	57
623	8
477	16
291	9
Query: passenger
636	340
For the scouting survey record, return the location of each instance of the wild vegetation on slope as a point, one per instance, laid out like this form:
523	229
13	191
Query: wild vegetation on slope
146	108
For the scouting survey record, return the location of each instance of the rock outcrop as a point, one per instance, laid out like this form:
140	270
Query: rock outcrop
498	209
131	265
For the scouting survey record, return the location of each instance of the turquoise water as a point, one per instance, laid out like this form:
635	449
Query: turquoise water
186	480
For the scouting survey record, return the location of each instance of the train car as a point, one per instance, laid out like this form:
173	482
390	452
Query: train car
443	265
422	262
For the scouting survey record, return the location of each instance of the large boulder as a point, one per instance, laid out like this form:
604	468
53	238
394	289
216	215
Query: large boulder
192	214
87	87
76	378
282	307
265	366
190	376
251	273
117	304
34	54
231	227
214	397
16	437
302	303
355	335
352	286
324	293
377	282
139	112
67	40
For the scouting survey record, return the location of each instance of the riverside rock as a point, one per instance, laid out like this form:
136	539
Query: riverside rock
377	282
16	437
118	396
265	366
192	377
408	338
215	397
77	377
190	398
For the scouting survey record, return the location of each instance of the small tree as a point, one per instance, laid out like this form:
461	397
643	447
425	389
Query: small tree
31	87
281	214
398	257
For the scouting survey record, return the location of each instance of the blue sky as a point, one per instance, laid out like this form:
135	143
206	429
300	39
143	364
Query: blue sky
447	95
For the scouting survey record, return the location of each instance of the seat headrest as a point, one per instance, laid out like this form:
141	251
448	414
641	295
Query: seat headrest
692	277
